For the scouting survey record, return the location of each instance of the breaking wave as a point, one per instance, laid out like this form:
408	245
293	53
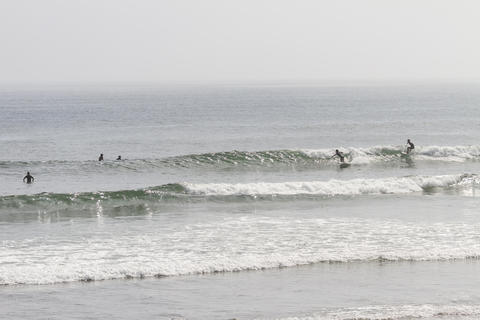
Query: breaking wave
390	153
394	185
302	158
257	190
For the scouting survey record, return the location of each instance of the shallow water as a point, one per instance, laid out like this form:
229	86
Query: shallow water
375	290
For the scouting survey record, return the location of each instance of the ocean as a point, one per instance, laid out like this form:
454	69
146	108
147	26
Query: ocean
227	203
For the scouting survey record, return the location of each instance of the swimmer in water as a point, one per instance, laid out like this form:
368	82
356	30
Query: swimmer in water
29	178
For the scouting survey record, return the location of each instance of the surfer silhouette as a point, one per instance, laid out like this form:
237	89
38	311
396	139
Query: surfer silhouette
410	147
28	177
339	155
101	157
119	158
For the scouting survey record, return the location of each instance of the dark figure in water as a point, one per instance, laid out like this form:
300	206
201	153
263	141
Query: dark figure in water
29	178
119	158
101	157
410	147
340	155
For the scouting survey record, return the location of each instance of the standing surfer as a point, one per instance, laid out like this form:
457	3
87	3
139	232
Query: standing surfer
339	155
410	146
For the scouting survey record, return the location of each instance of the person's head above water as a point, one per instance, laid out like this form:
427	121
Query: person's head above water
336	150
408	140
28	173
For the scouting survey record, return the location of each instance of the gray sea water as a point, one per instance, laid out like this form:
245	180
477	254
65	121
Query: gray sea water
227	203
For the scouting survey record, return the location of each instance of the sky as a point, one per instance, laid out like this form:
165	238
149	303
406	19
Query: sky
215	41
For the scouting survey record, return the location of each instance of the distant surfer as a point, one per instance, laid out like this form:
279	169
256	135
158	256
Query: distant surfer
101	157
119	158
340	155
410	146
28	177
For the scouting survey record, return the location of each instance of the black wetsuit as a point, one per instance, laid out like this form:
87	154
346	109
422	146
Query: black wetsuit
340	155
29	178
410	147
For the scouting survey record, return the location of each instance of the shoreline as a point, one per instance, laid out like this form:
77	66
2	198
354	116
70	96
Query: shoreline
272	293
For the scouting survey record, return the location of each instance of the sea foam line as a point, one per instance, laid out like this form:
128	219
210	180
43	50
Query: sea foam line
229	245
388	312
392	185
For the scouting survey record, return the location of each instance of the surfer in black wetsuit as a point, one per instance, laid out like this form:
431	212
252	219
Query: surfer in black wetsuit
410	147
29	178
340	155
101	157
119	158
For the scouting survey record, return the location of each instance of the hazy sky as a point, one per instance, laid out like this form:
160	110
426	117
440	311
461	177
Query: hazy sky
243	40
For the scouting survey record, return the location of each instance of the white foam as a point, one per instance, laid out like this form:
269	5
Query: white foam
445	153
233	244
387	153
328	188
382	312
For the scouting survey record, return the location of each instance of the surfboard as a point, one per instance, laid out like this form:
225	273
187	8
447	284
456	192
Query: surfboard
344	165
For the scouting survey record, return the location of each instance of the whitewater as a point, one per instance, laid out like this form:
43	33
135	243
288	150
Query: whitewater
228	202
231	245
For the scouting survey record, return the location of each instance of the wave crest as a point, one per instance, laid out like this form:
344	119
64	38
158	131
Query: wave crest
238	191
226	192
316	158
394	185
